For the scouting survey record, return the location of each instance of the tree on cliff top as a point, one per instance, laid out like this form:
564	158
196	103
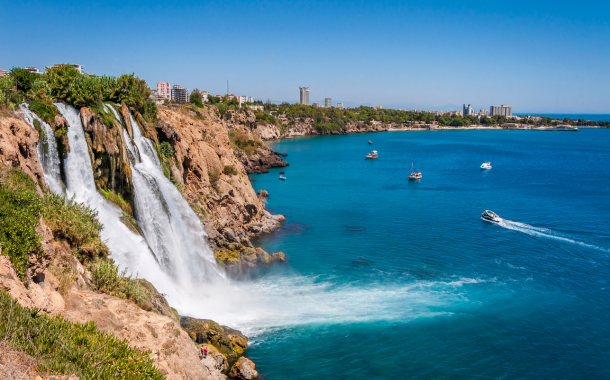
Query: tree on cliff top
196	97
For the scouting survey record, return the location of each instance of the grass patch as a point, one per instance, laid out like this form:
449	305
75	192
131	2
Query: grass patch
214	176
67	348
76	223
166	150
107	278
45	111
19	217
117	199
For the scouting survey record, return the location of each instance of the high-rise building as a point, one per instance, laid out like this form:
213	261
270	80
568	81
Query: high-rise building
328	102
304	95
180	94
164	90
483	112
340	106
467	110
503	110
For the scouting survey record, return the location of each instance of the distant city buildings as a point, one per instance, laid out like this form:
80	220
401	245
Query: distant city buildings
77	67
328	102
248	99
3	73
164	90
180	94
340	106
204	96
379	107
467	110
304	92
503	110
483	113
256	107
316	104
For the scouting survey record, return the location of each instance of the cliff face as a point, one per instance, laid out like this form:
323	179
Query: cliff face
304	126
211	168
18	147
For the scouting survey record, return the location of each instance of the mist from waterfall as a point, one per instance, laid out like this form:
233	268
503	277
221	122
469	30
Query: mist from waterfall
47	150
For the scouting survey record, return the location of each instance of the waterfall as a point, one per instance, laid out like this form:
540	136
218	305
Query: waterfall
128	249
47	150
172	229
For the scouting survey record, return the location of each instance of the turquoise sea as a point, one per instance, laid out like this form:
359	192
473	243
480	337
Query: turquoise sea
395	279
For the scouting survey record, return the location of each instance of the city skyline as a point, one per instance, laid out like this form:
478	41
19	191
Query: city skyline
538	57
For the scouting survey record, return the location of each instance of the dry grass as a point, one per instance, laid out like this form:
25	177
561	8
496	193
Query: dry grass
15	365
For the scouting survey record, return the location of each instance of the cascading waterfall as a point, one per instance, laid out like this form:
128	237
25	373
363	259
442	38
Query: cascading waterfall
170	226
47	150
128	249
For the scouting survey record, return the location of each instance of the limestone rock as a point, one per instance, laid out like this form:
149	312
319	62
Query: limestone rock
279	256
18	141
263	193
227	341
215	359
243	369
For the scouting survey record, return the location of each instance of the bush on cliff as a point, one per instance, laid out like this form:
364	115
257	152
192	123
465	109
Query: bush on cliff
107	278
67	348
229	170
241	142
76	223
19	217
45	111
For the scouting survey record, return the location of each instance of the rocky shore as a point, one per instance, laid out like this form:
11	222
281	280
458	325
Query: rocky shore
211	158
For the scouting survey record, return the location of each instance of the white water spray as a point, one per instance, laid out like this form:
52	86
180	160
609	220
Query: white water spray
47	150
545	233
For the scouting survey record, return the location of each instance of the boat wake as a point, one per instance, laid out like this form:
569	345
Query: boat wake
546	233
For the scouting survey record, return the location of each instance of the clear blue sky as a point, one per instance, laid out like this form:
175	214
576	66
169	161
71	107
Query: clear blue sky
538	56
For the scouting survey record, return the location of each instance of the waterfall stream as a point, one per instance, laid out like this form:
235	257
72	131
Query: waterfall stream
47	150
170	226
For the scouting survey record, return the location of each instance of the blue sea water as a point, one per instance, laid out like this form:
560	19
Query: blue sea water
390	278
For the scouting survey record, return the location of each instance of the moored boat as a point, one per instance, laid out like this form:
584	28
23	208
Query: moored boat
372	154
282	177
414	173
370	142
486	165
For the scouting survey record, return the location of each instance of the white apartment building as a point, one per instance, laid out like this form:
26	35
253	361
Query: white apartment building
33	70
164	90
304	95
340	106
328	102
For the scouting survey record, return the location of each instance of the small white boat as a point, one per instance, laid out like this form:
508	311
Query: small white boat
490	216
414	174
372	154
486	165
282	177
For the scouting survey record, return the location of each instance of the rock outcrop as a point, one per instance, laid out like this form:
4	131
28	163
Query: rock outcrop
18	147
227	341
243	369
304	126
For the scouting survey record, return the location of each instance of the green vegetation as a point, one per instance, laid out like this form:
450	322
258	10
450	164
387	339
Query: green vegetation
67	348
229	170
107	278
166	149
196	98
65	83
241	142
19	217
214	176
45	111
75	222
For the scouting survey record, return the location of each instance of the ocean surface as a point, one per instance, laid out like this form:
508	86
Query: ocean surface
395	279
576	116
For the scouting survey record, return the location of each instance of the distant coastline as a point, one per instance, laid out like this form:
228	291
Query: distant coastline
575	116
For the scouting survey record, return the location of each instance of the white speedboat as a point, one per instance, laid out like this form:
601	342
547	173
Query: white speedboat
372	154
282	177
486	165
490	216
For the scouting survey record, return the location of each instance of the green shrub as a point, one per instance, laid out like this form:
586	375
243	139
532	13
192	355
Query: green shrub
241	142
166	149
75	222
59	79
44	111
67	348
19	217
107	278
229	170
214	176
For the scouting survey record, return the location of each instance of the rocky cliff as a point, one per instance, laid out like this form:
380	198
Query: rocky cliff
304	126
